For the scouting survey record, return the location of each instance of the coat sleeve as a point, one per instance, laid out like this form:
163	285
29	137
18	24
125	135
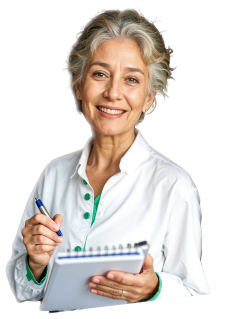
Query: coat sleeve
22	282
182	273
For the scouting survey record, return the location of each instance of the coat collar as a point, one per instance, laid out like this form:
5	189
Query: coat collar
135	155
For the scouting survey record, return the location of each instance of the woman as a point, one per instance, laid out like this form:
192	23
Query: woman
117	190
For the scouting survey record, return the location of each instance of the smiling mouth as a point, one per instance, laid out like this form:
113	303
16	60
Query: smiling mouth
108	111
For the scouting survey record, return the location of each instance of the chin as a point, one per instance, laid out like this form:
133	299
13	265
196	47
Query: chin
111	131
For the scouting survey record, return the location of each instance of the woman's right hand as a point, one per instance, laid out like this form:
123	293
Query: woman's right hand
40	239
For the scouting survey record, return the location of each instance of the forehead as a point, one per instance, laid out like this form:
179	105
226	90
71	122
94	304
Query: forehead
122	52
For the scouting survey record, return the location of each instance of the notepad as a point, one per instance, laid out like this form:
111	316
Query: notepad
67	288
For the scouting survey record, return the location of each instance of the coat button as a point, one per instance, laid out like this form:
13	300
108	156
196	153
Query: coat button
87	196
102	203
84	182
78	248
86	215
99	213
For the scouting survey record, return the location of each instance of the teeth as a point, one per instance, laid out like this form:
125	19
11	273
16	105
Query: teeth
110	111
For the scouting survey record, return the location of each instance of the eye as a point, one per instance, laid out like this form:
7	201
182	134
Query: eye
99	74
133	80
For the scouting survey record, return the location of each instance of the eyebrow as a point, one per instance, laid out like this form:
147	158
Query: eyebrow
108	66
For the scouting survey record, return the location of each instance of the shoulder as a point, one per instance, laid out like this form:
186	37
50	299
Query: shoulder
63	165
56	174
170	174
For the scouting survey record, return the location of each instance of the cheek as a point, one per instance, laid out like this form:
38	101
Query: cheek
92	90
135	99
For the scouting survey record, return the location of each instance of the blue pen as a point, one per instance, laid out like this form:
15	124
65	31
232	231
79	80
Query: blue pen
44	211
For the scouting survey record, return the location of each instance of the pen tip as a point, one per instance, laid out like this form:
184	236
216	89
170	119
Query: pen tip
35	199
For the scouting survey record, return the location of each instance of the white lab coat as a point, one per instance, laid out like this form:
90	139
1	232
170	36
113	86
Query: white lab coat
151	199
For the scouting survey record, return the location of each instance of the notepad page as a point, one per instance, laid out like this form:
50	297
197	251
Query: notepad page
68	288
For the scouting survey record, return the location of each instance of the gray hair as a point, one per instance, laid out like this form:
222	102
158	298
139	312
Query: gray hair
112	24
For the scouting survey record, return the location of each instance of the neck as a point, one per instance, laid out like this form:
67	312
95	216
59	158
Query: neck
107	151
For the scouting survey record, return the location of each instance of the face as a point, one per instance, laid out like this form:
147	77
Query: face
116	78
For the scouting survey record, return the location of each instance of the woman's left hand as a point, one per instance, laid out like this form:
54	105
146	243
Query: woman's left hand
137	287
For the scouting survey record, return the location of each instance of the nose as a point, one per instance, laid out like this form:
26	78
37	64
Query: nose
113	90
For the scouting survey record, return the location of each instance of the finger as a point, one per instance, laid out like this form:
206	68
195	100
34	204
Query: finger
44	231
121	281
43	220
127	296
116	291
106	292
38	249
42	240
148	263
58	219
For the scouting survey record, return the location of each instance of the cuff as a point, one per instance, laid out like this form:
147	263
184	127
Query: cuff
30	275
159	289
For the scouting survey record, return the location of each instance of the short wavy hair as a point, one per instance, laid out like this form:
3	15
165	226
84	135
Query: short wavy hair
113	24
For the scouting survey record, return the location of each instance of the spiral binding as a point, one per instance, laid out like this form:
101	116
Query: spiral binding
106	249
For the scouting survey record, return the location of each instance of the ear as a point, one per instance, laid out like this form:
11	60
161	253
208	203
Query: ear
149	100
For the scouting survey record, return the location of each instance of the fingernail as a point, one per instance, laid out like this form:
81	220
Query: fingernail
94	291
58	223
111	276
96	280
55	227
60	239
92	285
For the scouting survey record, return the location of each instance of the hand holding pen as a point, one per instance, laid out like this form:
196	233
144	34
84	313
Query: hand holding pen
41	236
